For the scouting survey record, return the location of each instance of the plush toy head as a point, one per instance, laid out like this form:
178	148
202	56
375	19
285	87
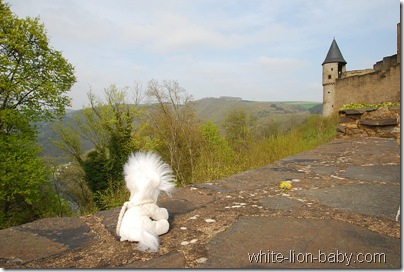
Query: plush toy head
146	175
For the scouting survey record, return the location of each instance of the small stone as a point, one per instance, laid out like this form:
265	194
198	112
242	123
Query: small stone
184	243
236	206
183	228
243	204
193	241
210	220
227	207
295	180
336	177
202	260
194	217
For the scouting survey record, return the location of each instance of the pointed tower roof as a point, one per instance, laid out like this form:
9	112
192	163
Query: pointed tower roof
334	54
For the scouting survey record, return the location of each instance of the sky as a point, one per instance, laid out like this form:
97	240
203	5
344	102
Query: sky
260	50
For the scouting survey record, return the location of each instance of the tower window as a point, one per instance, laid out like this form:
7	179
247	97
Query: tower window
332	69
329	76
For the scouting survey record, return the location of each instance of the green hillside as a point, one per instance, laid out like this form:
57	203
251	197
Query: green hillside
285	113
216	110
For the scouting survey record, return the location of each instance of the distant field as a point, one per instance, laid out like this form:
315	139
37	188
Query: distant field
305	104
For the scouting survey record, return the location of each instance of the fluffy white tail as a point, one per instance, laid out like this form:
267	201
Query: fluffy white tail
148	241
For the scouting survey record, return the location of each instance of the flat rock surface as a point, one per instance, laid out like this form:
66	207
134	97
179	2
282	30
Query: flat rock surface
371	199
281	203
344	199
272	242
384	173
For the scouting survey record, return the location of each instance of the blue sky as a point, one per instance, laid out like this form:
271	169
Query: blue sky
262	50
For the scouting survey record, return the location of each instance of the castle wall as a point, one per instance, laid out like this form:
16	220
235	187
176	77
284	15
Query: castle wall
372	88
386	63
368	86
358	72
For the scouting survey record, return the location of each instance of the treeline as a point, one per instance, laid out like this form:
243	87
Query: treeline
166	123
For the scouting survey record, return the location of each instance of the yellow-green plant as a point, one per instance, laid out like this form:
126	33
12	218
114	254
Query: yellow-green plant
362	106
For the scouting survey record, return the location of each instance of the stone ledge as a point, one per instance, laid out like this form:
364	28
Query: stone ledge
378	122
383	122
345	196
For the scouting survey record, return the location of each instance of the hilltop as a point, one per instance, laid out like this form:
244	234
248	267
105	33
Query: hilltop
216	109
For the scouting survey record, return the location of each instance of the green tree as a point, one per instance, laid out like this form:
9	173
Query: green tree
109	125
26	191
216	158
236	128
34	79
173	120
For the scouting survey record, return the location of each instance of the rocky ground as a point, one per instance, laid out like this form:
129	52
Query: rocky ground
344	200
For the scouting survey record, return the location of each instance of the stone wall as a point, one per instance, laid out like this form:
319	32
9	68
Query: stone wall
371	122
371	88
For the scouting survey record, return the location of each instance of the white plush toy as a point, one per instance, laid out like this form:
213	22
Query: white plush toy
140	219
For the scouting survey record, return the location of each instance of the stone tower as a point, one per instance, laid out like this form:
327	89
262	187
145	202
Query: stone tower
333	68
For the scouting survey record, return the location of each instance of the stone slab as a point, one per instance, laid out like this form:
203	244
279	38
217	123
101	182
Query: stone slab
298	238
379	122
386	173
371	199
110	219
352	111
263	177
43	238
22	246
212	187
69	231
280	203
324	170
375	147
